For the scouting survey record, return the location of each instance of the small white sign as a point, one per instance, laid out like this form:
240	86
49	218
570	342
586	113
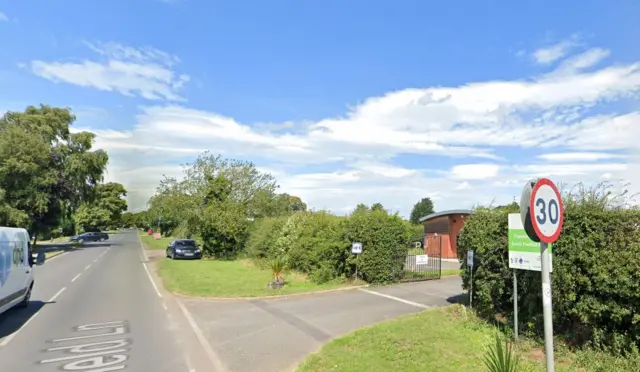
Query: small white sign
422	259
356	248
470	258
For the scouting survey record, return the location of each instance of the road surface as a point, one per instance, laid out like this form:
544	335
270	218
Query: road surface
94	310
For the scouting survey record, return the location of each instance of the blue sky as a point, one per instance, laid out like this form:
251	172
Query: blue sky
343	101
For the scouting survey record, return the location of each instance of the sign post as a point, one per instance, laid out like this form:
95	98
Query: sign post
524	254
546	216
470	264
356	248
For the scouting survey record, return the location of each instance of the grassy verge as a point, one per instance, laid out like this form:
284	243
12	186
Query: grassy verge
238	278
152	243
444	340
450	272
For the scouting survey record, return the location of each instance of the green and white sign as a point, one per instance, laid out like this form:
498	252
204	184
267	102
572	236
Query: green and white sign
524	253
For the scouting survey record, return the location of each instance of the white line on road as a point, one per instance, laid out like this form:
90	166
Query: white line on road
75	277
7	339
151	279
164	306
96	260
213	357
57	294
87	267
395	298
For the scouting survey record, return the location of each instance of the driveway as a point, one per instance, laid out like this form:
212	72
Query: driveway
277	334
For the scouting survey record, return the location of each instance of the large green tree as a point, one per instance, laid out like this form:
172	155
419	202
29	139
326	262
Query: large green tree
421	209
46	171
215	200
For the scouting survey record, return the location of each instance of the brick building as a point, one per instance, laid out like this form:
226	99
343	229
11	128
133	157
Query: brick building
441	231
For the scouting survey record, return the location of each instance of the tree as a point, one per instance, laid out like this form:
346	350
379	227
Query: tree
92	218
421	209
110	197
46	172
361	208
377	207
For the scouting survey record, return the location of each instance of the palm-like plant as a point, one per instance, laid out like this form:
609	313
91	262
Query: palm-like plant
277	265
500	357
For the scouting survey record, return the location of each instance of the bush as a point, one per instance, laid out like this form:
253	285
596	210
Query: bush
385	241
596	267
319	244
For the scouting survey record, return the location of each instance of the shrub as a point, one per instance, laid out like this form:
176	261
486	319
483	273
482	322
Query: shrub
596	264
262	237
385	241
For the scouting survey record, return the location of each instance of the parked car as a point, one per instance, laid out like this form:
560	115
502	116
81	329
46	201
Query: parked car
16	268
183	248
90	237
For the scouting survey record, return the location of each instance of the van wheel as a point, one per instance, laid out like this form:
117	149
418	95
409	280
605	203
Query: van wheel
27	298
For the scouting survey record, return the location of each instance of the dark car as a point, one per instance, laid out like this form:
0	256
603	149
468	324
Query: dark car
90	237
183	248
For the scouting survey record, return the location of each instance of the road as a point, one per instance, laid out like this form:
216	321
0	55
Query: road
95	309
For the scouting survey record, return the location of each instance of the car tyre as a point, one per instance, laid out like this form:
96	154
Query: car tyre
27	298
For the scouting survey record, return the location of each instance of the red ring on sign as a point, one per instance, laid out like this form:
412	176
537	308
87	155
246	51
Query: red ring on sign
546	239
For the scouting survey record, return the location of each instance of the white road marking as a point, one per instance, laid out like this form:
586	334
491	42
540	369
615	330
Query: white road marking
118	331
96	260
164	306
87	267
75	277
151	279
213	357
8	339
153	283
395	298
57	294
82	356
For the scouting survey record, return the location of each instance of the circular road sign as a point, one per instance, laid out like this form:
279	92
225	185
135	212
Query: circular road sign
547	211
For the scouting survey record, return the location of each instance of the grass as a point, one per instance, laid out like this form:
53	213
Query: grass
450	272
449	339
239	278
152	243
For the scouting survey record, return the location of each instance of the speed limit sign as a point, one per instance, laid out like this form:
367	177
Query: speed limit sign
546	210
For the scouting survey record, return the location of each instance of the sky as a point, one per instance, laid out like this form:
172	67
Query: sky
344	102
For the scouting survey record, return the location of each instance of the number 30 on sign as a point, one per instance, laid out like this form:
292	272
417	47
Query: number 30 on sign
547	211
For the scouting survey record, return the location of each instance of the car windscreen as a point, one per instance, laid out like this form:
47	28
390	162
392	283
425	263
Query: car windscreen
186	243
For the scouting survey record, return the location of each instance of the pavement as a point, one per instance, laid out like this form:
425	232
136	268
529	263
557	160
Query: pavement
95	309
101	308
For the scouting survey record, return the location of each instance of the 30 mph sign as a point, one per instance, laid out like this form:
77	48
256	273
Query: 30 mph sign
546	210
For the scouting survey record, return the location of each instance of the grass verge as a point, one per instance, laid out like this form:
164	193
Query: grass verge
450	339
239	278
152	243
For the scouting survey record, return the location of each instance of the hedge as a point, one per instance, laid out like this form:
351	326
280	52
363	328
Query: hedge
319	244
595	279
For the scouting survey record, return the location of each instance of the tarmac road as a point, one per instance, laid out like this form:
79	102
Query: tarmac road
95	310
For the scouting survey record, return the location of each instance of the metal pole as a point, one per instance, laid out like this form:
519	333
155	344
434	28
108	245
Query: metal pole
546	306
471	290
357	259
515	305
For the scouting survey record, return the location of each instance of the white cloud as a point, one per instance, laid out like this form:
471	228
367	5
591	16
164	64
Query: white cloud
3	17
480	130
552	53
475	171
145	72
578	156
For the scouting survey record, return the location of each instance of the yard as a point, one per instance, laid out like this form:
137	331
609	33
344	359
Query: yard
444	340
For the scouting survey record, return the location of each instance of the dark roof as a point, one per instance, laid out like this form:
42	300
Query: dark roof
446	213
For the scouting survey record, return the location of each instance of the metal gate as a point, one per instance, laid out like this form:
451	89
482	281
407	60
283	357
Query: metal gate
423	262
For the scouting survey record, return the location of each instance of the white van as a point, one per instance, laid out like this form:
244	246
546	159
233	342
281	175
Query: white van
16	268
